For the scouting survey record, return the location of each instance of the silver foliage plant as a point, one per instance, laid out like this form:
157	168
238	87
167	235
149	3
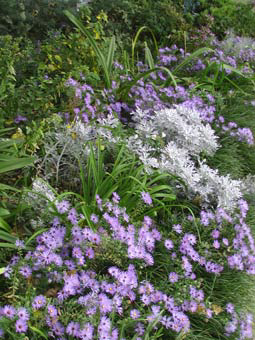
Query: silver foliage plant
183	137
181	124
236	45
69	143
172	140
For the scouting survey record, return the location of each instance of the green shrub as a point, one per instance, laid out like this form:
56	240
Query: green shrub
33	18
125	17
237	15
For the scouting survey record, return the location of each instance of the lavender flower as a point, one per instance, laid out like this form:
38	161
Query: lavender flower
25	271
52	310
39	302
169	244
23	314
20	244
9	311
73	328
173	277
135	314
63	206
21	326
146	198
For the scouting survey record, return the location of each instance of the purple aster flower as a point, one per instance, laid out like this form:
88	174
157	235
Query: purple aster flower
115	198
94	218
135	314
230	327
1	333
230	308
173	277
87	332
169	244
110	288
9	311
177	228
99	202
148	258
20	244
14	260
19	119
21	326
81	261
115	334
70	264
94	238
72	216
200	295
63	207
90	253
146	198
7	271
216	244
23	314
105	304
58	328
25	271
209	313
39	301
73	329
104	325
139	328
77	252
146	299
147	221
215	233
52	310
225	241
193	306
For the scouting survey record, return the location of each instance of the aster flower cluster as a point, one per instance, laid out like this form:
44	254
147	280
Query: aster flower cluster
149	97
241	48
66	253
239	241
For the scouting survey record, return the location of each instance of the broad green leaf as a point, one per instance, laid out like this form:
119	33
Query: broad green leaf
4	225
148	57
7	245
7	237
34	235
110	57
136	39
4	212
194	55
8	187
38	331
102	60
15	163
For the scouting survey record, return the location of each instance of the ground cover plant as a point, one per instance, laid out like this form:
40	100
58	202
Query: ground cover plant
137	219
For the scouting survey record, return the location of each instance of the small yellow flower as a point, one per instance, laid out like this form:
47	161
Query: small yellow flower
216	309
18	134
102	16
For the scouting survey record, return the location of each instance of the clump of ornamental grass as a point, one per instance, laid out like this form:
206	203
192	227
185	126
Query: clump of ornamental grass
108	276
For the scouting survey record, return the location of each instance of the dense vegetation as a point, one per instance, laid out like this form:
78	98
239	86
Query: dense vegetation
127	169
